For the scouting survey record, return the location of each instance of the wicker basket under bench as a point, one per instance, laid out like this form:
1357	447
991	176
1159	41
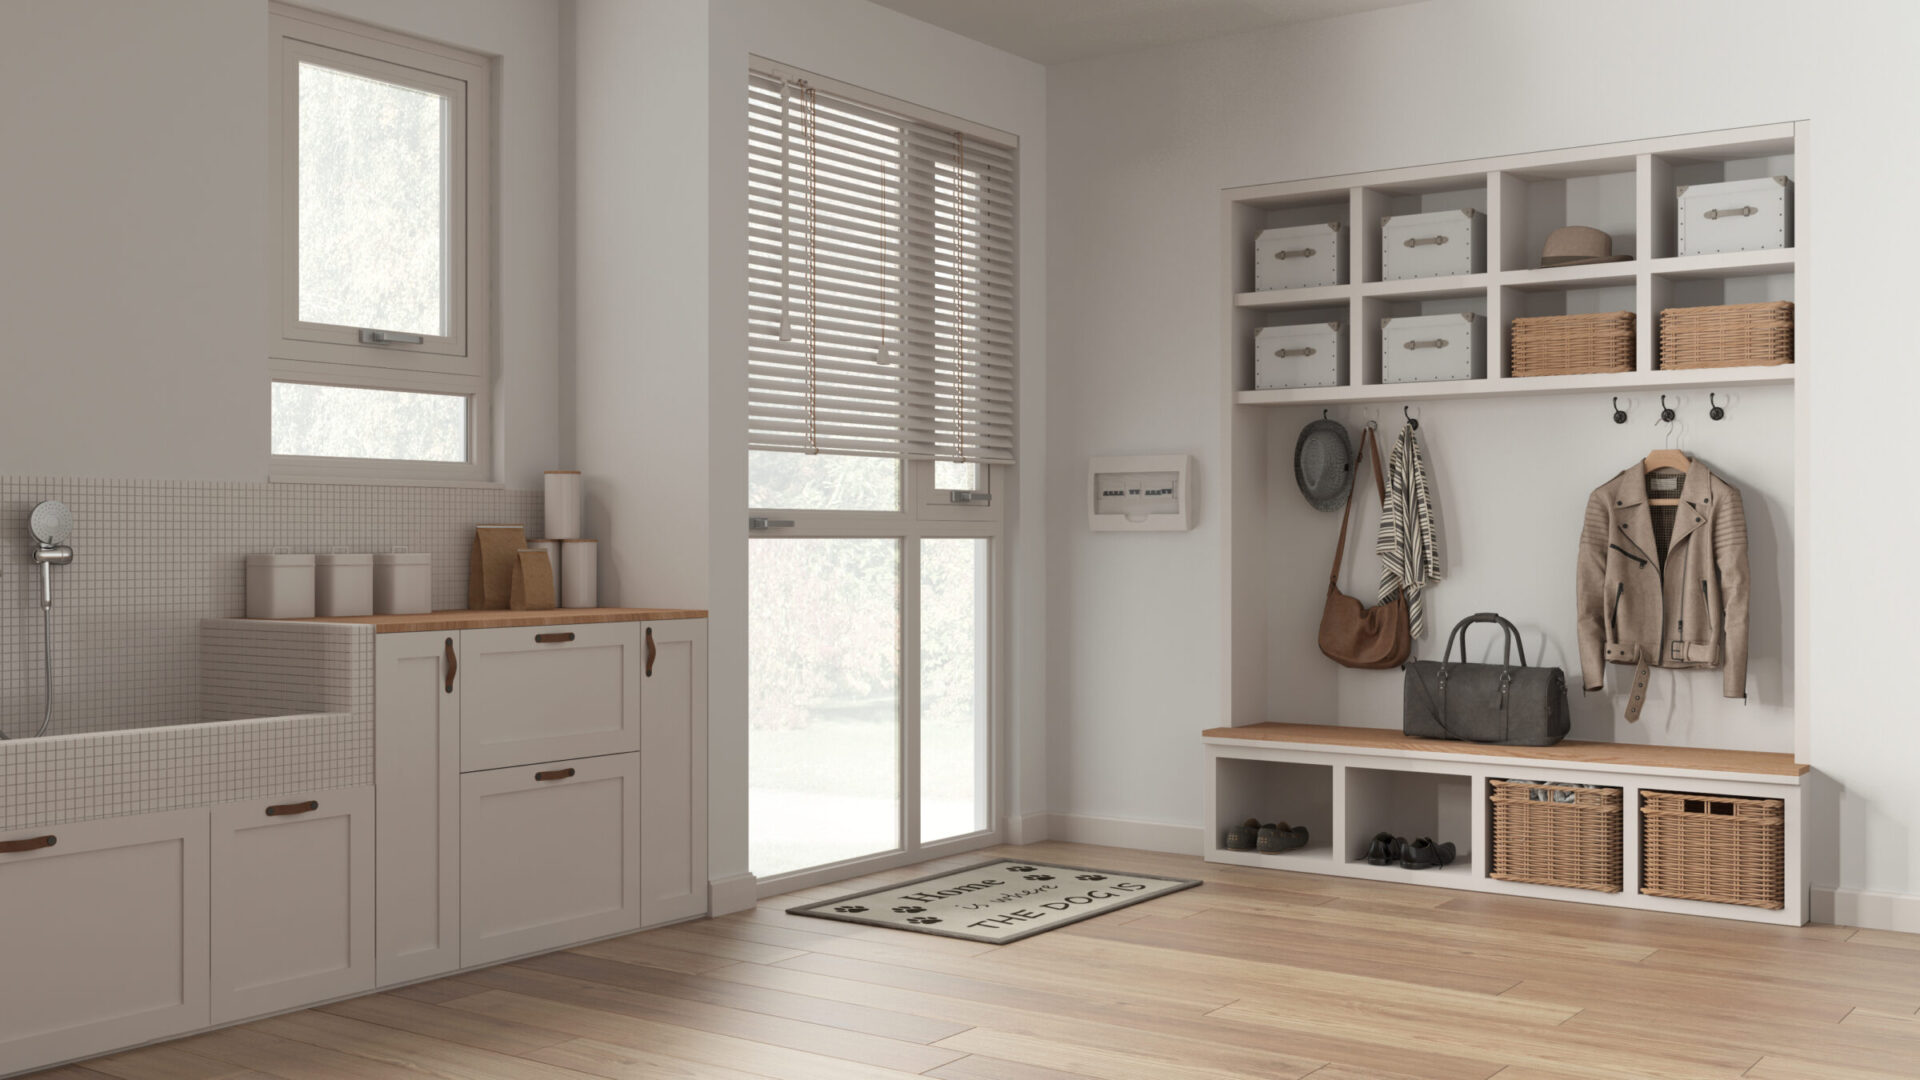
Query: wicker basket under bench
1719	848
1556	834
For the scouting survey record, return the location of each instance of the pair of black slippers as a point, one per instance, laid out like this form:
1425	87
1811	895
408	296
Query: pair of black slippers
1420	854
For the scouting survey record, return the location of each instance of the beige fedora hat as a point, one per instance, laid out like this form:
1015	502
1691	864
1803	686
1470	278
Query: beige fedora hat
1577	244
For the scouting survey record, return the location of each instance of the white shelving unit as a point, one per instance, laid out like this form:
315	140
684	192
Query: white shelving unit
1627	189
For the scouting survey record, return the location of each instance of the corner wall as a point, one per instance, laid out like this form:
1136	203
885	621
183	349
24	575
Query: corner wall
658	235
1142	147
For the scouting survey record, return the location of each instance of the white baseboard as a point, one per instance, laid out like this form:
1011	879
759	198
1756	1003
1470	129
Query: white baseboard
1865	908
730	894
1122	832
1028	828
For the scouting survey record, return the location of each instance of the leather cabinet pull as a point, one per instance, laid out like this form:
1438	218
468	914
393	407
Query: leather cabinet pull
292	808
453	665
651	652
553	639
553	774
32	843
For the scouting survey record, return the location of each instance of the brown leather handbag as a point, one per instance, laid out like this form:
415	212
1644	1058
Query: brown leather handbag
1352	633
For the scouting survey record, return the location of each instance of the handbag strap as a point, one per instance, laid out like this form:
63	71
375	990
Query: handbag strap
1379	483
1511	633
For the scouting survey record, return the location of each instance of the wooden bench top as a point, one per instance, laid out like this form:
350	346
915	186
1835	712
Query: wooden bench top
442	621
1619	755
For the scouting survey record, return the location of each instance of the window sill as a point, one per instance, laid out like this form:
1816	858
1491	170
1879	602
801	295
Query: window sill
379	481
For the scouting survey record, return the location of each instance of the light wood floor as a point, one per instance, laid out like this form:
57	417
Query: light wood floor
1256	974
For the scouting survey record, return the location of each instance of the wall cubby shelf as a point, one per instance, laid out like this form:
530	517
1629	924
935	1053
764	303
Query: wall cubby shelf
1303	740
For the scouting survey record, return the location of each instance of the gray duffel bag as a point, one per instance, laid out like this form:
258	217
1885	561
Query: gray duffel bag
1486	703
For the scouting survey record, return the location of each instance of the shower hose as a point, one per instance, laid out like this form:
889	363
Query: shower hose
46	651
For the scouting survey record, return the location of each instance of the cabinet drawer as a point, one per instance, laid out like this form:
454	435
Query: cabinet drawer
531	694
292	901
549	856
106	936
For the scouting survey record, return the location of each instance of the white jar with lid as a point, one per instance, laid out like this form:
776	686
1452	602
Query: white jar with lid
343	584
280	586
402	583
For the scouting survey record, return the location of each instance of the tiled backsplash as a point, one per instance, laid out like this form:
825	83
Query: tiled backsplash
152	558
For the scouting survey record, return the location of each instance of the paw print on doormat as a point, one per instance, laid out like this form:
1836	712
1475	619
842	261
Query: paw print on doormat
1039	877
849	909
908	910
1019	869
924	920
1092	877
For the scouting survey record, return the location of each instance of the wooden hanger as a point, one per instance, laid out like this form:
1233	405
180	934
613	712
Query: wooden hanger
1666	459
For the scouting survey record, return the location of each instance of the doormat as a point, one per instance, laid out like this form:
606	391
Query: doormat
996	902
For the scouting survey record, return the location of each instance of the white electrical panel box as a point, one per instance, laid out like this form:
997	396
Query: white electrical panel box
1140	494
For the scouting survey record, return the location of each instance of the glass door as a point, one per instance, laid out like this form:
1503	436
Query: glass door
870	669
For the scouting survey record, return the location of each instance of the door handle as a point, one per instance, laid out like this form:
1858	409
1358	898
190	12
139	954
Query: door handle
550	639
651	652
292	808
453	665
761	523
32	843
553	774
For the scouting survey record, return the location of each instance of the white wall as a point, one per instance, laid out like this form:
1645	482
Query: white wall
134	213
1142	146
659	266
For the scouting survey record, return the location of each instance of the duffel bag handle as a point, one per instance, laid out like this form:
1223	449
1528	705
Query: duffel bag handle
1512	639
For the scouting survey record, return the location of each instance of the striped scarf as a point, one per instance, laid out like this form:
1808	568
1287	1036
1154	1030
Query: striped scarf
1408	546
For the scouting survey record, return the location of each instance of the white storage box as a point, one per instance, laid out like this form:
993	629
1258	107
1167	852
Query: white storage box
403	583
280	586
1300	257
1440	244
1433	348
1285	357
343	584
1738	215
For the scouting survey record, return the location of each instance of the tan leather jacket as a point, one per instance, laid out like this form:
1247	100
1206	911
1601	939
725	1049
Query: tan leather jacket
1692	614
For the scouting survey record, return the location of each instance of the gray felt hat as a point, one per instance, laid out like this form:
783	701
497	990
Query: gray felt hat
1323	463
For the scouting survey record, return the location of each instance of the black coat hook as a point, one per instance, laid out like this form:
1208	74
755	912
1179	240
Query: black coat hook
1411	422
1666	414
1715	413
1619	414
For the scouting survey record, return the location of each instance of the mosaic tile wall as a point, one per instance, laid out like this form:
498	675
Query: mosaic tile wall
55	781
152	558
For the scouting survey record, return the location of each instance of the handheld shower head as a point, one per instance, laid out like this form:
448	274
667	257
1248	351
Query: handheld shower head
52	523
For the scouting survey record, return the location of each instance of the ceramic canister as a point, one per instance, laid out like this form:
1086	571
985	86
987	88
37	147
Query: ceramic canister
579	573
563	509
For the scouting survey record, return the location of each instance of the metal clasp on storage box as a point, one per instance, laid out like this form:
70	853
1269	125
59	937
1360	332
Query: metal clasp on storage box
1436	343
1304	350
1302	253
1737	211
1416	241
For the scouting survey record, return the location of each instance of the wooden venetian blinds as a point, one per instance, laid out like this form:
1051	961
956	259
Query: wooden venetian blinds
880	317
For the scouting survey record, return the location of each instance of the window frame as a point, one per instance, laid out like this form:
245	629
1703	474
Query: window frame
458	362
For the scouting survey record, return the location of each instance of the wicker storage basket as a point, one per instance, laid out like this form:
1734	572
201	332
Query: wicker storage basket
1730	335
1572	344
1720	848
1567	836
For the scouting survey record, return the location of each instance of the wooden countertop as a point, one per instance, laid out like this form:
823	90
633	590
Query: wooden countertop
1572	752
492	620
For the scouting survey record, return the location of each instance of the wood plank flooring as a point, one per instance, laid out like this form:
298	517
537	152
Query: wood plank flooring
1256	974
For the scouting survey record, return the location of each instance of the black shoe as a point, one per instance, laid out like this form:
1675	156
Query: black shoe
1278	838
1386	849
1424	854
1243	837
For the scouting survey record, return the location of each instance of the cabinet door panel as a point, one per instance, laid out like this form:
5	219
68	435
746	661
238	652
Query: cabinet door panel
548	863
547	693
416	753
292	902
106	937
673	770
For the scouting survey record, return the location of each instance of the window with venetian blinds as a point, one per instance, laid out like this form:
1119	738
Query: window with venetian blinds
880	317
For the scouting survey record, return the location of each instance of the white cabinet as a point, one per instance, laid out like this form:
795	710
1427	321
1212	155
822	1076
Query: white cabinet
673	770
105	935
416	752
549	855
545	693
292	901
